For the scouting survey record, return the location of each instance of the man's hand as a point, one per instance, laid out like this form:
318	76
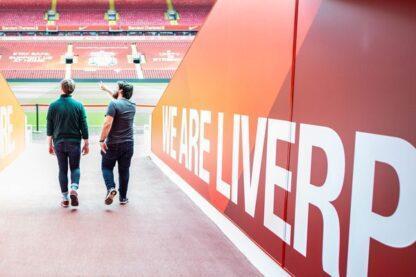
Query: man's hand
86	148
104	147
103	87
51	149
106	89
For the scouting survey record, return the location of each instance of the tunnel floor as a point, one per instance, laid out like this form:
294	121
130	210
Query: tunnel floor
159	233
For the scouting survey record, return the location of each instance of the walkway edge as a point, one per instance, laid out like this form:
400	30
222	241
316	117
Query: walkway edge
266	265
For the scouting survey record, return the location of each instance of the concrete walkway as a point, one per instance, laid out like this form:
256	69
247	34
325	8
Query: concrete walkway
160	233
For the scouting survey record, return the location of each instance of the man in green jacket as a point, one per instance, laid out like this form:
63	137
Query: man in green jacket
66	126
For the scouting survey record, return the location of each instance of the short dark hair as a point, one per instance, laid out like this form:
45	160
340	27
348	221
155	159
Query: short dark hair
68	86
126	88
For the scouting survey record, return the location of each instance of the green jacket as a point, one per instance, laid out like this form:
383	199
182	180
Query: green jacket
67	120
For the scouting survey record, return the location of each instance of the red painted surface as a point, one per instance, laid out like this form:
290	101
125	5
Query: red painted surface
338	74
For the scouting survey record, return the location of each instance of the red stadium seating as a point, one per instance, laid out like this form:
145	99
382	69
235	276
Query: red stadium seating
162	58
193	15
152	12
81	12
19	4
33	74
74	14
32	60
92	59
141	12
194	2
140	3
142	17
23	13
24	18
158	74
103	60
163	55
193	12
104	74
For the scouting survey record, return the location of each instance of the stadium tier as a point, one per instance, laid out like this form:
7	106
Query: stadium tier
193	12
193	16
23	13
142	12
79	15
162	58
102	60
32	59
80	12
142	17
12	18
24	4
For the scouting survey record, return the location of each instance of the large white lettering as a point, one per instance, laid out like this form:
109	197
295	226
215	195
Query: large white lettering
319	196
276	175
397	230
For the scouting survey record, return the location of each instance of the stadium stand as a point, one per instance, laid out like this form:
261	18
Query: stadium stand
78	14
97	58
193	12
104	74
103	60
23	13
109	59
81	12
158	74
162	58
24	4
32	59
141	12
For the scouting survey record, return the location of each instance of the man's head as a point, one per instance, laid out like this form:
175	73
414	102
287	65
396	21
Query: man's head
67	86
125	89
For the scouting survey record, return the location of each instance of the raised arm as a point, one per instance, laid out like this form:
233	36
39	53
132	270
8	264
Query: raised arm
109	91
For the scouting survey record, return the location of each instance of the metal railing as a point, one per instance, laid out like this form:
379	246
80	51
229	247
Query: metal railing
39	106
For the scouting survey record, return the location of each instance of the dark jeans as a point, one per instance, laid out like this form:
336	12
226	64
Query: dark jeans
68	153
122	154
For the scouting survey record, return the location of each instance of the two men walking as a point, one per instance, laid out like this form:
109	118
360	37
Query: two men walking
67	126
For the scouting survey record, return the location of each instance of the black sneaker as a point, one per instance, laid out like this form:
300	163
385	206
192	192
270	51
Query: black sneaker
124	201
110	195
73	194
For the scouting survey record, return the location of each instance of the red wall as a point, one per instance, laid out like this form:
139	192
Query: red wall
330	89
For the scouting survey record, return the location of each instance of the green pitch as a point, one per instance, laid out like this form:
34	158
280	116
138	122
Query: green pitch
31	93
95	118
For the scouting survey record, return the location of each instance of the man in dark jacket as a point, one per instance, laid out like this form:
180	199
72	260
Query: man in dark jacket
117	145
66	126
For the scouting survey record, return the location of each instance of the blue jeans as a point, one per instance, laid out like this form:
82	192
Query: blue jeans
122	154
68	154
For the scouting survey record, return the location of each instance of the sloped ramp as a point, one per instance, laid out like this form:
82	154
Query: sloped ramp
160	233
